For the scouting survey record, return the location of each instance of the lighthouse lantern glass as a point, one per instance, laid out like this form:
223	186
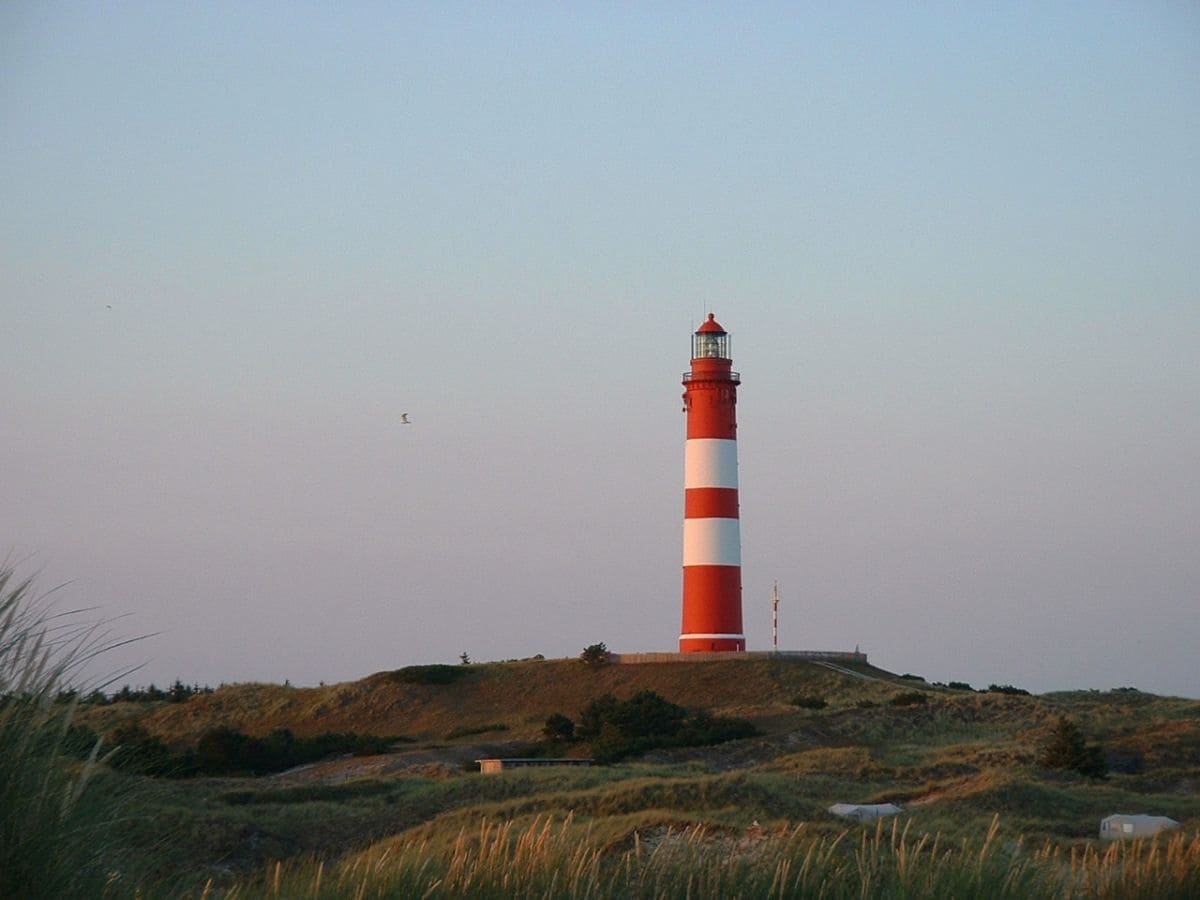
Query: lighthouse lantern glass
710	345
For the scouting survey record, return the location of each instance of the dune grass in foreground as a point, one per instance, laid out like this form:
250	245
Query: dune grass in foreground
551	857
53	837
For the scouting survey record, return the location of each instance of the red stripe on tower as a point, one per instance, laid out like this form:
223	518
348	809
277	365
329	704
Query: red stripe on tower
712	546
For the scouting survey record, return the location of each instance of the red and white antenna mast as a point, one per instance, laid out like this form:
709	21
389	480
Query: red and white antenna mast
712	543
775	618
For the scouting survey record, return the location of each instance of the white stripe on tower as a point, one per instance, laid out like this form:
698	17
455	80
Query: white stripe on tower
710	463
712	542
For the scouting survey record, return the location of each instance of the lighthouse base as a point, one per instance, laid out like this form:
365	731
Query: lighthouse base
712	609
709	643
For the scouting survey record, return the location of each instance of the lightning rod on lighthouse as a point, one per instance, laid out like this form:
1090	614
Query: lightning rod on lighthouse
712	545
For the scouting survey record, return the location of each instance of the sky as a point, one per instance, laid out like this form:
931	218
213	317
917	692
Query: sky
954	244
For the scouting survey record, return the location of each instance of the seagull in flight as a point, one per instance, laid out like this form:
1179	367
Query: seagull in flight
404	419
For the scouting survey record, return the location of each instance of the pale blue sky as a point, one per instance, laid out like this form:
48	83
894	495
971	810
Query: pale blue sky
955	246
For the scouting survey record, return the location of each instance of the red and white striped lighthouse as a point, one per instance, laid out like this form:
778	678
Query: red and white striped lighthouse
712	544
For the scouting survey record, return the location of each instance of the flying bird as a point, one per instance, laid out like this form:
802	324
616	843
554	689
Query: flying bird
404	419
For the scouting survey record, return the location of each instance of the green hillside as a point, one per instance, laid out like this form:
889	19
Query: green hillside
953	758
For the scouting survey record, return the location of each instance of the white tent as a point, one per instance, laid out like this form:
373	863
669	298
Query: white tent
1121	825
864	812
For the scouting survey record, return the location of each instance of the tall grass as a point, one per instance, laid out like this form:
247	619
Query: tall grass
52	842
549	858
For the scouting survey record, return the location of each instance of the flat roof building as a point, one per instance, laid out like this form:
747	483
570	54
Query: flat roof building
492	766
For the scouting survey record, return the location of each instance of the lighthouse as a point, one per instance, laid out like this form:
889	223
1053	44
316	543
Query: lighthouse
712	544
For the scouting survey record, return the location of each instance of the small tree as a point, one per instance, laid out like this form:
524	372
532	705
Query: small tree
1066	749
178	692
596	655
559	728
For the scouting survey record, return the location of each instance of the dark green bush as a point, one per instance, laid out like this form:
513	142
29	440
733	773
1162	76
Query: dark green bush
593	716
909	698
1006	689
227	751
475	729
1067	749
137	750
178	693
431	674
558	728
621	728
807	701
596	655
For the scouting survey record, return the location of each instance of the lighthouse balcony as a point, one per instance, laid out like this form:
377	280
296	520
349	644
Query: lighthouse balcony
735	377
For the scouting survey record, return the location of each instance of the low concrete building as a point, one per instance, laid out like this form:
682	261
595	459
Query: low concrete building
1122	826
492	766
864	812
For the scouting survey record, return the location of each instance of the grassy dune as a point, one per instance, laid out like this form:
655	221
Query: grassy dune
521	694
745	818
752	810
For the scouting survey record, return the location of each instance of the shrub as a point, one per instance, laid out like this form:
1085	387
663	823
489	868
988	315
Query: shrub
177	693
1066	749
558	727
596	655
621	728
593	716
227	751
807	701
960	686
909	676
866	704
475	729
1125	761
137	751
909	698
1006	689
431	674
